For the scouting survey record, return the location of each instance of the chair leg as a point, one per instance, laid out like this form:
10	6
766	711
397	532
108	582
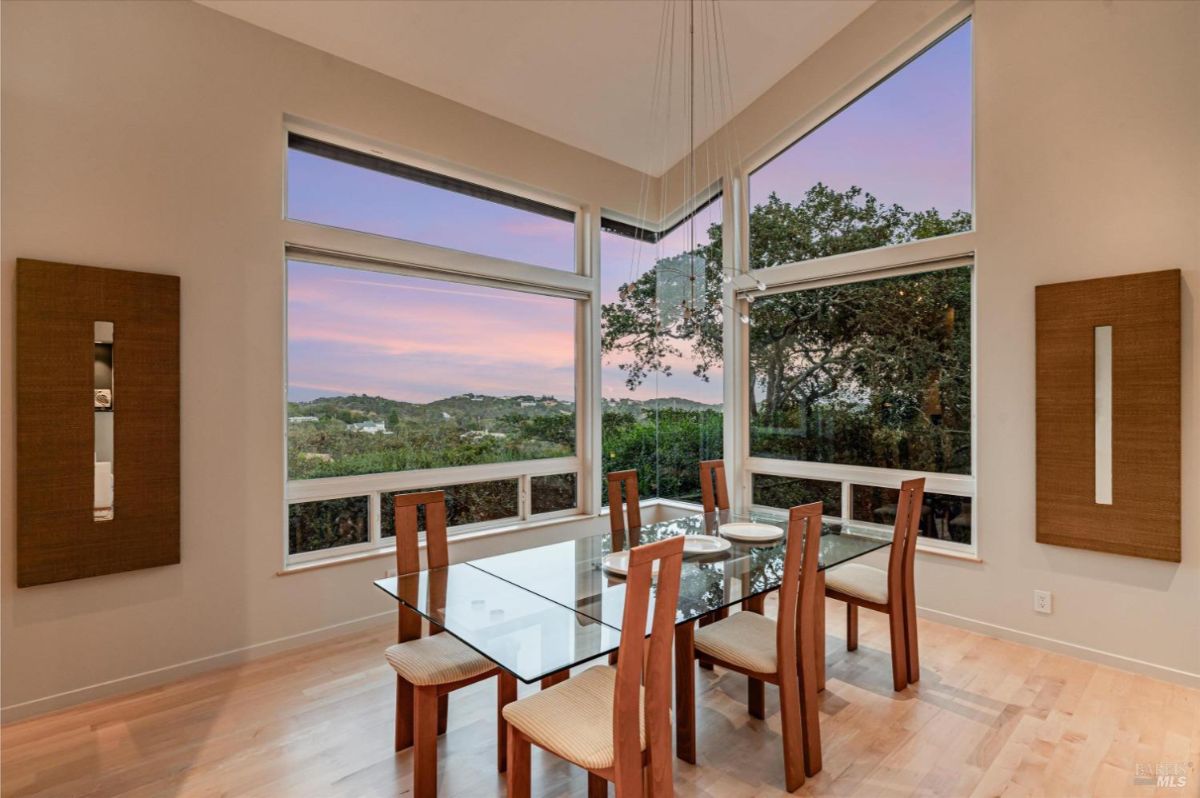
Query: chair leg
819	630
506	693
810	716
756	701
425	759
899	657
443	712
910	638
404	713
597	786
793	749
685	693
520	775
851	626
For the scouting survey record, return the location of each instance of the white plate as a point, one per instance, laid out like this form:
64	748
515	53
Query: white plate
617	563
704	544
752	533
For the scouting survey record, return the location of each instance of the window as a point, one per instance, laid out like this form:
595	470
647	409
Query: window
783	492
345	188
893	166
860	370
313	526
943	517
553	493
389	373
473	503
394	373
456	375
874	373
661	333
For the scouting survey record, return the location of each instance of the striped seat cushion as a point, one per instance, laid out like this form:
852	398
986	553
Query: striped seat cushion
860	581
437	659
574	719
744	639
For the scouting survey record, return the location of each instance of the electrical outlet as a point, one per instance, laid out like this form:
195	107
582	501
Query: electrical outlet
1043	601
389	572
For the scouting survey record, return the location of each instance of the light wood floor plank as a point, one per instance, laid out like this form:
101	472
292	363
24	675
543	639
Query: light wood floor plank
988	718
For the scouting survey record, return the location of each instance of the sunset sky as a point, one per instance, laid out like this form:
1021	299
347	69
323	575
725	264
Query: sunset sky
908	141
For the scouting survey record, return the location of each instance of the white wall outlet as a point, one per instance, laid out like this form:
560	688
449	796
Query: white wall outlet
389	572
1043	601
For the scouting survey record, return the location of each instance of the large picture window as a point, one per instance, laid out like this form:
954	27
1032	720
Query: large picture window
893	166
873	373
394	373
456	373
345	188
860	365
853	380
661	332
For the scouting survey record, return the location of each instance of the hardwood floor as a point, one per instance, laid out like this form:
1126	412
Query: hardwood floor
988	718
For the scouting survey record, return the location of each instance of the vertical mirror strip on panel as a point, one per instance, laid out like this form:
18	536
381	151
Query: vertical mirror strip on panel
1103	404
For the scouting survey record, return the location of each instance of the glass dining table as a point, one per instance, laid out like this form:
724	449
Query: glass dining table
540	611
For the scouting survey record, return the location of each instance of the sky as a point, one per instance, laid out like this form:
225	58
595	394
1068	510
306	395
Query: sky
417	340
908	141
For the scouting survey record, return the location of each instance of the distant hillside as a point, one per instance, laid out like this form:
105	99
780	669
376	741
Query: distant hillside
469	408
644	405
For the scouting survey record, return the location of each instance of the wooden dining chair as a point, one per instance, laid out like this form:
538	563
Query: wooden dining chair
776	651
624	515
614	722
714	492
891	592
714	495
429	668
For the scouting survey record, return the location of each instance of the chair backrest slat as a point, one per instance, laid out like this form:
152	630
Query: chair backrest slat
907	530
645	664
624	515
713	472
408	550
797	591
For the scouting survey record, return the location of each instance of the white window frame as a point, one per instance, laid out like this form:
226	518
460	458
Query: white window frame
914	257
333	246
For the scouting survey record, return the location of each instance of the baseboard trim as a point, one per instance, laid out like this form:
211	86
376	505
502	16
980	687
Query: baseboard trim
171	673
1096	655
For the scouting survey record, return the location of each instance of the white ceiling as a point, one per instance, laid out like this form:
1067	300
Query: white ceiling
580	71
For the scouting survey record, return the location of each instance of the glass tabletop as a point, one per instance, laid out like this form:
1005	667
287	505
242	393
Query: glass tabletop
526	634
572	573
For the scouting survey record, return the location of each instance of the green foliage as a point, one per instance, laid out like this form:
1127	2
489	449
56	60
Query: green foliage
470	503
313	526
873	373
457	431
665	447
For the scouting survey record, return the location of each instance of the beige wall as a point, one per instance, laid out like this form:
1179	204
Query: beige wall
148	137
1087	165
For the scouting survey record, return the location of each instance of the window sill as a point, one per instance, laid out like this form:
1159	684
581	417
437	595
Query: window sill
390	551
967	555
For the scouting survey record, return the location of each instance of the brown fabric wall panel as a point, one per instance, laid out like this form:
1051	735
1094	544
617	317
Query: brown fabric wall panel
1144	312
57	306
